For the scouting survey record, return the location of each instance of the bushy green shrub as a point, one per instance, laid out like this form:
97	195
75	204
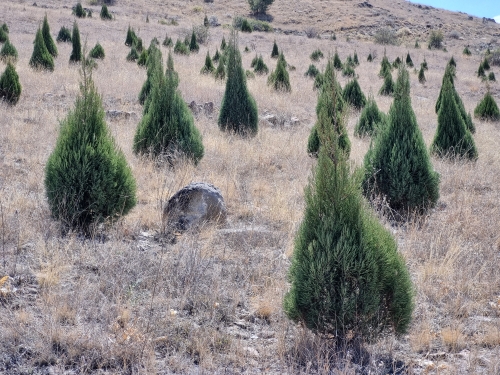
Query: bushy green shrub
347	279
10	88
369	120
180	48
259	6
354	95
316	55
64	35
245	26
260	66
193	44
238	112
167	42
279	78
337	63
3	35
209	67
421	75
9	52
79	11
41	58
76	52
131	38
143	58
396	63
467	51
348	71
133	55
97	52
388	85
312	71
487	109
49	42
275	53
491	76
409	61
397	165
167	126
436	39
87	179
105	15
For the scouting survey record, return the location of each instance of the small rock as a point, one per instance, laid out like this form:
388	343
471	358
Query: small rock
252	352
241	323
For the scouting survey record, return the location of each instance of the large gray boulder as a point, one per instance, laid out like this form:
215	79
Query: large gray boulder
195	204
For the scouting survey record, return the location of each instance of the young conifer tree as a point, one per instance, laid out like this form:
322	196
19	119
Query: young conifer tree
275	53
3	35
337	63
421	75
64	35
238	112
8	51
397	165
193	44
41	58
353	95
10	88
370	118
330	98
487	109
279	79
131	38
76	52
153	63
167	126
209	67
388	85
409	61
87	179
97	52
452	136
49	42
385	67
348	280
105	15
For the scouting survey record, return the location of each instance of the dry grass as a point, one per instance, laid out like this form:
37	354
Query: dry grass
212	302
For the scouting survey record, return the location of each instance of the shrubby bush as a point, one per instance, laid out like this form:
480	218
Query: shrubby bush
436	39
64	35
386	35
10	88
8	52
487	109
97	52
76	52
41	58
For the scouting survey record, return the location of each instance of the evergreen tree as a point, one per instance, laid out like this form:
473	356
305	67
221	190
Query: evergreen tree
275	53
41	58
105	15
205	21
348	280
143	58
79	11
259	6
216	55
238	112
424	64
260	66
355	59
279	79
316	55
370	118
97	52
220	72
209	67
452	62
409	61
245	26
167	42
8	51
76	53
486	64
353	95
4	35
167	126
421	75
330	97
5	28
193	44
491	76
337	63
47	38
133	55
131	37
223	44
10	88
385	67
369	58
397	165
180	48
153	64
397	63
64	35
452	136
467	51
87	179
312	71
388	85
487	109
480	71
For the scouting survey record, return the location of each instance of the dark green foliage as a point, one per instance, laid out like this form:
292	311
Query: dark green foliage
487	109
9	52
452	138
105	15
491	76
41	58
64	35
409	61
223	44
355	59
97	52
349	61
452	62
138	44
87	178
436	39
385	67
143	58
217	55
316	55
220	72
254	61
79	11
330	101
369	120
348	280
205	21
318	81
279	79
167	42
3	35
480	71
369	58
209	67
348	71
388	85
337	63
397	165
76	52
5	28
275	53
312	71
353	95
424	65
467	51
238	112
167	126
131	38
417	45
249	74
260	66
153	64
245	26
421	75
396	63
10	88
180	48
49	42
259	6
133	55
486	64
193	44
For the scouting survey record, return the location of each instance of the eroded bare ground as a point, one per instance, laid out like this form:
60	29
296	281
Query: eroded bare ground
126	302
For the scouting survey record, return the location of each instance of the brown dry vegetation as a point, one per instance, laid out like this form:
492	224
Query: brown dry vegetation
211	303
